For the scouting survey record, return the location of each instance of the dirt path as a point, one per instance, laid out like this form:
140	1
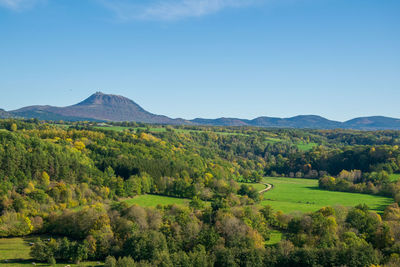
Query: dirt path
268	187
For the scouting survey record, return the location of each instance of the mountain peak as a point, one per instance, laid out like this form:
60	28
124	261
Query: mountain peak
102	99
108	107
99	106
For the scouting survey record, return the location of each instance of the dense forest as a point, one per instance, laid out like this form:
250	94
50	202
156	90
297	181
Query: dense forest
66	180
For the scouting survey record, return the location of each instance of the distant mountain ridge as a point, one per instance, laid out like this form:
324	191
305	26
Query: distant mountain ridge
308	122
374	122
98	107
108	107
5	115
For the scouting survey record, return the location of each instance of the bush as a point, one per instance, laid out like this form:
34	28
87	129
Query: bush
51	261
125	262
110	262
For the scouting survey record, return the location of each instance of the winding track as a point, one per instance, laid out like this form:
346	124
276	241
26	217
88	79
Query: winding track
269	187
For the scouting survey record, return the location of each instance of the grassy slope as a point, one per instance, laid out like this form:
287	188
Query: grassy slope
122	128
16	252
306	146
291	194
154	200
275	238
259	187
288	195
394	177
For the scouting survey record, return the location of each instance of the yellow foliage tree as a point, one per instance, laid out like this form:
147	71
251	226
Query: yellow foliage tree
30	188
15	224
14	127
79	145
45	179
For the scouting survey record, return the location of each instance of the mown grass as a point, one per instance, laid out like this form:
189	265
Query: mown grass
306	146
113	128
273	140
122	128
14	249
291	194
394	177
302	146
65	126
14	252
258	187
154	200
275	238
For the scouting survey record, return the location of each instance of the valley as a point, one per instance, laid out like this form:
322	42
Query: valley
89	192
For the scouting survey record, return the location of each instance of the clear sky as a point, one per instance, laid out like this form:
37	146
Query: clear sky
205	58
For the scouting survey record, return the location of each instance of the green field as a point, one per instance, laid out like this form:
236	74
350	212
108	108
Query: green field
306	146
113	128
122	128
275	238
272	140
303	146
154	200
290	194
259	187
14	252
394	177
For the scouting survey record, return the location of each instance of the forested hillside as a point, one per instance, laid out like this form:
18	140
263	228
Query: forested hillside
70	181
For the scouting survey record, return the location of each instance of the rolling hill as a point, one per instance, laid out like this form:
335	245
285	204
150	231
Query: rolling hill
107	107
308	122
373	123
5	115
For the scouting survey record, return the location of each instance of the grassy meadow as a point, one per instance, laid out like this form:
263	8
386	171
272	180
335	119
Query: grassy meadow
258	187
306	146
122	128
275	238
291	194
287	195
154	200
394	177
14	252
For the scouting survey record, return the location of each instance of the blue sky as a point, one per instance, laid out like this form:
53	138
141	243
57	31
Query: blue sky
205	58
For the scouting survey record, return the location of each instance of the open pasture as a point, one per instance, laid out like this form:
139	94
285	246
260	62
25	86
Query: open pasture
154	200
275	238
394	177
14	252
303	146
291	194
257	186
122	128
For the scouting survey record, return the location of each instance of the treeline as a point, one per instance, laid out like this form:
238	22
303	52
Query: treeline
225	234
323	161
375	183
